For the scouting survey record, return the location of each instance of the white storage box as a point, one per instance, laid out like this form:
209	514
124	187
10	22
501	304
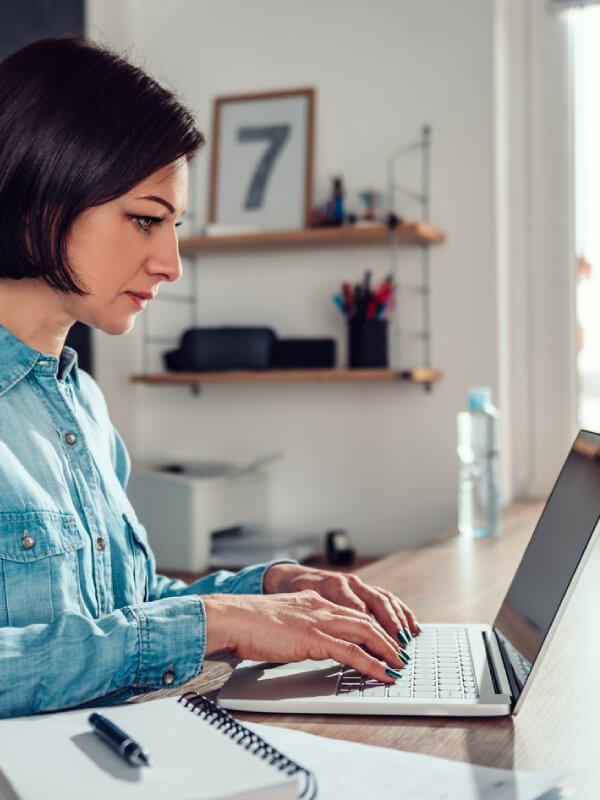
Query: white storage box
181	510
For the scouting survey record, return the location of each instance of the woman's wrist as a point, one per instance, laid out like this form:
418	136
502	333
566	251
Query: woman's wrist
219	624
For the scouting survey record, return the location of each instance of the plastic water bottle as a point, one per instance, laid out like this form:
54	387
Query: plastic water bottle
478	494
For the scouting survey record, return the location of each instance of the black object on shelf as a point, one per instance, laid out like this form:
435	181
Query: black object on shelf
304	353
367	342
338	548
221	349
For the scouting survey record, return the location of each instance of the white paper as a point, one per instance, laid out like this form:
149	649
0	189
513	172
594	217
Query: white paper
352	771
58	755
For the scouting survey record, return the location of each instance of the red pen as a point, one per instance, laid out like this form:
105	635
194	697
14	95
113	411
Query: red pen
371	308
348	296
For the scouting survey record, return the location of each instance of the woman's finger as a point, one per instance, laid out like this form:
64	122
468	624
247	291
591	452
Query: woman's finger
352	655
342	589
344	595
366	632
344	612
408	614
389	617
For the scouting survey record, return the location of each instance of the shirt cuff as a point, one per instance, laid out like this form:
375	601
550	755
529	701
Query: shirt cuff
172	641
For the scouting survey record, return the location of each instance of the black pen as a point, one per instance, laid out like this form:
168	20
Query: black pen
131	751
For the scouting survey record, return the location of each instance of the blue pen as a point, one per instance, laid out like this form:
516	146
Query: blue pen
339	301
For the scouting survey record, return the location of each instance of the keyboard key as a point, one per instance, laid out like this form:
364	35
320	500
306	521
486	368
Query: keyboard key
420	693
374	691
398	691
450	695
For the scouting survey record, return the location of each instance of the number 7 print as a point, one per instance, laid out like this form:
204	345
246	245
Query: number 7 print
276	136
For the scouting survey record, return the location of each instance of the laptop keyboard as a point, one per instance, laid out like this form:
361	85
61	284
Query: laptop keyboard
441	667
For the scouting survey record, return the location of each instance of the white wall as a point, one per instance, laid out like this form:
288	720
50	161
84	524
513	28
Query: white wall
379	459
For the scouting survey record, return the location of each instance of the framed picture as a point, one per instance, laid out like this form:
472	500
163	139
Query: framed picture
261	172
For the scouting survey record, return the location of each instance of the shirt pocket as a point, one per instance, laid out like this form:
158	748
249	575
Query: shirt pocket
140	554
39	566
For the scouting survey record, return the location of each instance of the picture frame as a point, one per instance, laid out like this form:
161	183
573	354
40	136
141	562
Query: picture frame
261	169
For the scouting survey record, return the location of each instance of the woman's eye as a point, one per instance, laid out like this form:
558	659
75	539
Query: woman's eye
145	223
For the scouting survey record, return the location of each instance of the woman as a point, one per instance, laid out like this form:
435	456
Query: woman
93	181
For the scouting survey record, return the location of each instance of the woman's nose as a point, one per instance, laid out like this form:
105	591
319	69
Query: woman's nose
167	261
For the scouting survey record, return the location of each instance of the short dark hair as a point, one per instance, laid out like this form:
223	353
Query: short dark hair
79	125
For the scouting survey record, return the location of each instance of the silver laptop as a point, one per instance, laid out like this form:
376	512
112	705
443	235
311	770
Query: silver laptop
459	670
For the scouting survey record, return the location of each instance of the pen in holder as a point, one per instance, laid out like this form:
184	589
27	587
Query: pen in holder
367	310
367	342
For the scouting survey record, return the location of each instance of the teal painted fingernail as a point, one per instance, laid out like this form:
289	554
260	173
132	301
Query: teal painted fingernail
393	673
408	635
404	656
401	637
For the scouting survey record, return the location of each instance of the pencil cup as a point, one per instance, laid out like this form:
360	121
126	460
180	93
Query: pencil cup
367	342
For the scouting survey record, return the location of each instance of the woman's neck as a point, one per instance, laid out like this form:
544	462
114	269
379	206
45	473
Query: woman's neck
31	310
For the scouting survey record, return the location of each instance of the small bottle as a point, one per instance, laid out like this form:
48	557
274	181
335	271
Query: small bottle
478	494
338	211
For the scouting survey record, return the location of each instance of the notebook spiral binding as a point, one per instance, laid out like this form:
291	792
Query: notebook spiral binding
223	721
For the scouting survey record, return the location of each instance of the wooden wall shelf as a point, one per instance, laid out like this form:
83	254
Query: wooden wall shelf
417	375
409	233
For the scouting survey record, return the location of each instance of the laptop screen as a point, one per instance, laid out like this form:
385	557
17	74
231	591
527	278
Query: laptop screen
552	556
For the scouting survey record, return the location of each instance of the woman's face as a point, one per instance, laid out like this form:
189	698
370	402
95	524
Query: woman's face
117	247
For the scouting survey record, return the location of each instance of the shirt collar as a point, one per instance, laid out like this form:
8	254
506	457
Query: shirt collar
17	358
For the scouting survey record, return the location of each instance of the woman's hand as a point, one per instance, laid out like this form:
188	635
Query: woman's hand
297	626
346	590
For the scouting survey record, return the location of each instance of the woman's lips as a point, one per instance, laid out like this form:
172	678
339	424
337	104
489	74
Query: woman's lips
139	302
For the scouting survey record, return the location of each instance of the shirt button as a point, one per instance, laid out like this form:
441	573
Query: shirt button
70	438
28	541
168	677
101	543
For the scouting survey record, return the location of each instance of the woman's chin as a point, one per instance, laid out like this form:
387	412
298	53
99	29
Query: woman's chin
118	325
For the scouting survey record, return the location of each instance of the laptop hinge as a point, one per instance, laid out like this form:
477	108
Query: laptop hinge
515	687
491	665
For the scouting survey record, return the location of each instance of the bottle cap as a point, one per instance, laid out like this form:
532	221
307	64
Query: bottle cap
480	398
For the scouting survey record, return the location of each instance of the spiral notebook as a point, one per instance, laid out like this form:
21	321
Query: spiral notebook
198	752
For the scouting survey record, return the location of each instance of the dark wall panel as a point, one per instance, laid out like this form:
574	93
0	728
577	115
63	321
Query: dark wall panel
22	22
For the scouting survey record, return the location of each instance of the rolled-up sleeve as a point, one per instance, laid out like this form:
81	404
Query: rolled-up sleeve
249	580
76	660
172	641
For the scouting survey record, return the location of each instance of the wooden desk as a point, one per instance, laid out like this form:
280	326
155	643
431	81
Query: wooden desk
450	579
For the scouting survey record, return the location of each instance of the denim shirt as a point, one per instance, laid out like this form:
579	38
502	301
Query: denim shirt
84	617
